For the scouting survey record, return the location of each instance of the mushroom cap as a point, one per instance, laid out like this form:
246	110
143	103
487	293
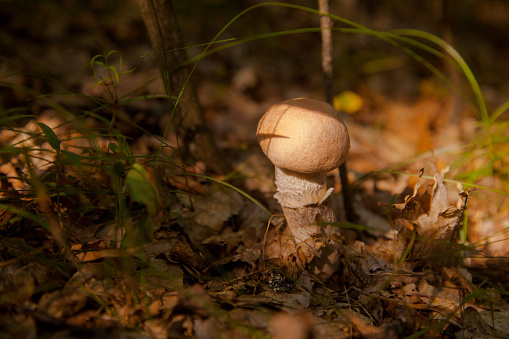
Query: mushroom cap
303	135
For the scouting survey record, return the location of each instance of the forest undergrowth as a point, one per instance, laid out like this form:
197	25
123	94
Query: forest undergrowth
113	223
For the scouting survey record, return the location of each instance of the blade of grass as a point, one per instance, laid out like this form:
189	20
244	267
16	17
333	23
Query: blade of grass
461	63
256	202
34	217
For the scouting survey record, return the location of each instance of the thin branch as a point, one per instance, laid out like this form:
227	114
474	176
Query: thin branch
326	25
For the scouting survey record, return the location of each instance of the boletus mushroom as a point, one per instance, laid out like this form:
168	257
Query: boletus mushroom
305	139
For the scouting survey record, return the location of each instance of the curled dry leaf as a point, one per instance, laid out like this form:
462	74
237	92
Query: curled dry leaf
428	225
247	255
365	269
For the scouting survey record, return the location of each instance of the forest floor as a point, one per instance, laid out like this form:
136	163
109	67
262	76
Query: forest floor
108	230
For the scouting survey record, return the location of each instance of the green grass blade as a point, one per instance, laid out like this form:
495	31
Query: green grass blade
256	202
483	110
28	215
499	111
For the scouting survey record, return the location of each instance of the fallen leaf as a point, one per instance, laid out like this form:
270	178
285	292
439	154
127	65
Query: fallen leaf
428	224
18	326
285	326
210	211
247	255
477	326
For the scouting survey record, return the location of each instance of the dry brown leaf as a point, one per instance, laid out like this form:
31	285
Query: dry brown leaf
363	266
211	211
428	223
60	304
285	326
18	326
156	328
247	255
498	320
366	328
278	245
286	301
181	252
447	298
480	325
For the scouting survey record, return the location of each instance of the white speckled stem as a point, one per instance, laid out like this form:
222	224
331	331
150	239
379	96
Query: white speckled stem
305	200
296	190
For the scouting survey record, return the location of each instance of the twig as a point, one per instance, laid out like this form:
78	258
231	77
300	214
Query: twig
326	25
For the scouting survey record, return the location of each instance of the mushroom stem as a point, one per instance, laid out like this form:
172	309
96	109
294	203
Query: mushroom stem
320	246
300	189
302	220
304	198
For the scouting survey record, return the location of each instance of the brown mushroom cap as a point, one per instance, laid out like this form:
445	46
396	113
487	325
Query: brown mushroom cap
303	135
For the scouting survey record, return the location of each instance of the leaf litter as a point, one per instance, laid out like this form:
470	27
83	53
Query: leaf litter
203	269
212	264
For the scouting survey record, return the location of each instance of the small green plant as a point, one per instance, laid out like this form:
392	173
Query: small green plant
112	80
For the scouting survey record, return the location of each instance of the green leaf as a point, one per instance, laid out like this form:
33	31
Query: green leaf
113	147
142	189
50	135
117	76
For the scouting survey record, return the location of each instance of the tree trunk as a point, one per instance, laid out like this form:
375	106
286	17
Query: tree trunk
191	127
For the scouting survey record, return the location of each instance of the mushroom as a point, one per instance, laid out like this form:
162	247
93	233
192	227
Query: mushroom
304	139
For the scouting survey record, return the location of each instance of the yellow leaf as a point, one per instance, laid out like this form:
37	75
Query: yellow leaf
142	189
348	101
